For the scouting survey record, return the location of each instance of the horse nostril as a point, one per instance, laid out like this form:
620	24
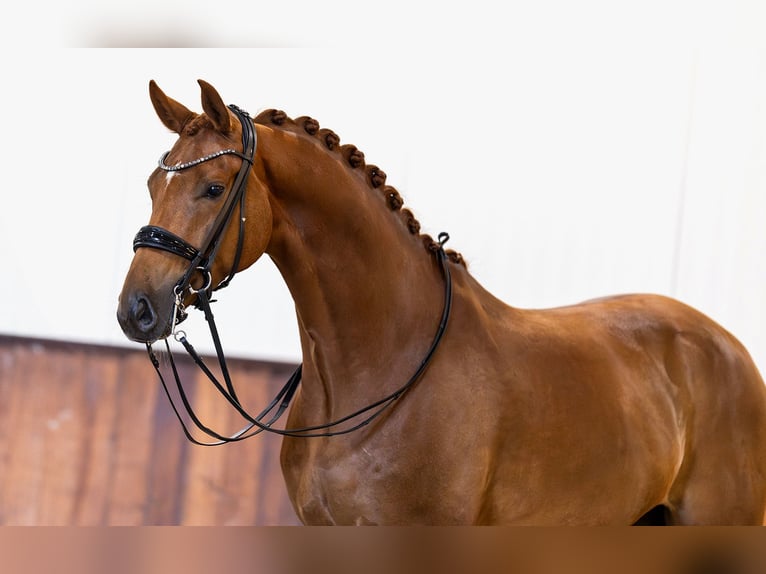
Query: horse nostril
143	314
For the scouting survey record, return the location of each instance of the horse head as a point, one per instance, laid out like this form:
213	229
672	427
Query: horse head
202	193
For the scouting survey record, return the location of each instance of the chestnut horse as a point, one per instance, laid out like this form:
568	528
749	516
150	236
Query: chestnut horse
629	409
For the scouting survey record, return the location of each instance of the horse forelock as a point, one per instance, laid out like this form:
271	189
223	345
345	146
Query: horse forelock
196	124
354	158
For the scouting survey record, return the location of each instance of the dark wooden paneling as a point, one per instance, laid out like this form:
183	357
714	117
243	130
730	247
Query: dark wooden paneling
87	437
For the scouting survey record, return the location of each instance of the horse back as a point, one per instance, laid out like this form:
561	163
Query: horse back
706	371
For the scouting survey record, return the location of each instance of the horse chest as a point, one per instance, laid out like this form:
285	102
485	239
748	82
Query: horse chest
332	486
376	483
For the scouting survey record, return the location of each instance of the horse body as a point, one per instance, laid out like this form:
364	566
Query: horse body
590	414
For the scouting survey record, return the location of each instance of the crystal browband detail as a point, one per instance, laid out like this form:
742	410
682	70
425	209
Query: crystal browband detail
192	163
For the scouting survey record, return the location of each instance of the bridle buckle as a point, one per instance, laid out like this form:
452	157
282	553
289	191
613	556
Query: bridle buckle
179	314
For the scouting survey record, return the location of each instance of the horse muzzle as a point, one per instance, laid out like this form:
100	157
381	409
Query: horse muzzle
142	320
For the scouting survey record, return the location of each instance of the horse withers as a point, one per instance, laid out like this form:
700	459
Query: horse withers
630	409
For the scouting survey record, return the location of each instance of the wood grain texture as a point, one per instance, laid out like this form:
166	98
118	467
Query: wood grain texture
88	438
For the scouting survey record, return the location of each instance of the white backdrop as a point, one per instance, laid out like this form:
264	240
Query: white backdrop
570	152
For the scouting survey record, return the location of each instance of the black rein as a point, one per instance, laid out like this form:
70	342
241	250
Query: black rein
201	261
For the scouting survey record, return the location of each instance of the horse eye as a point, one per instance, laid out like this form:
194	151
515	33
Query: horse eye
214	190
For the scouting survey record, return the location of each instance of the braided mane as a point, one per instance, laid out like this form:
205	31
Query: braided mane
354	158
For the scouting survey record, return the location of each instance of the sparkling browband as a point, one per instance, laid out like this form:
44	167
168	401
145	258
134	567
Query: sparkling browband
192	163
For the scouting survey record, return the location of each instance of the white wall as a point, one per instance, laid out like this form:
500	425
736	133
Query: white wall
572	150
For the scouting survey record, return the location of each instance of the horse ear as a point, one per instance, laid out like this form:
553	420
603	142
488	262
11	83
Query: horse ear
214	107
172	114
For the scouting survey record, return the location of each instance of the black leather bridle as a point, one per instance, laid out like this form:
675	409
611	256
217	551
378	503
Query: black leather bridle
201	261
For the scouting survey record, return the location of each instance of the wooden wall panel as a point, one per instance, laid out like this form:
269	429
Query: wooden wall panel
87	437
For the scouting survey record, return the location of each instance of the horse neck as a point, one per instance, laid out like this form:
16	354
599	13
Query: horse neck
366	290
